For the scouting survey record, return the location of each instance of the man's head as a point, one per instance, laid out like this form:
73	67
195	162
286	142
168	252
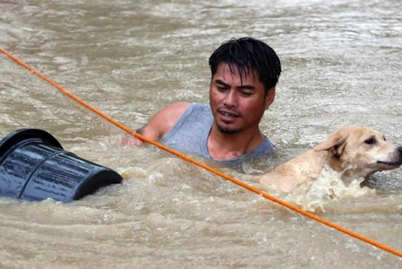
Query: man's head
248	55
244	74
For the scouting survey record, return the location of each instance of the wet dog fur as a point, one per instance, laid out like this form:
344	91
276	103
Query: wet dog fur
354	151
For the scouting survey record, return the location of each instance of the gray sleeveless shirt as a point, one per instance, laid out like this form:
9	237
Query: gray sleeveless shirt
190	135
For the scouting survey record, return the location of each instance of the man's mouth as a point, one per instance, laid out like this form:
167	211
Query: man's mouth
227	114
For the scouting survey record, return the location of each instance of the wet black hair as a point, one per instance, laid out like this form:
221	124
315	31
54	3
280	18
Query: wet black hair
248	55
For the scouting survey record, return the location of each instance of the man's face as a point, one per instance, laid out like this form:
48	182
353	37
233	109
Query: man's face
237	103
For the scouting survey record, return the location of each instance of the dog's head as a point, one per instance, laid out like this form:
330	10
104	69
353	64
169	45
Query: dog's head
360	151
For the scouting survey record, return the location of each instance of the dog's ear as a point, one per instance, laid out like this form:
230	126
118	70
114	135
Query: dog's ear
335	144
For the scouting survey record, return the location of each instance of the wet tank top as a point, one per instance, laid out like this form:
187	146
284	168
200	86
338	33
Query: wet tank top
190	135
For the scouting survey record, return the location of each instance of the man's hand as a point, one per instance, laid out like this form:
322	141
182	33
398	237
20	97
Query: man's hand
131	140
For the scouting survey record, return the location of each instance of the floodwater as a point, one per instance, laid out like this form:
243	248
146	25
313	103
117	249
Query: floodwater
341	66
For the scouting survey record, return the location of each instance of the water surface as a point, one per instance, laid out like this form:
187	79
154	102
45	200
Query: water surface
341	66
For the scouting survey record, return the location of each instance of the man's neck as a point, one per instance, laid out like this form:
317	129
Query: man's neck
223	146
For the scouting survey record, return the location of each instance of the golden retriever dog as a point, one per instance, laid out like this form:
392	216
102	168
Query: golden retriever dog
353	151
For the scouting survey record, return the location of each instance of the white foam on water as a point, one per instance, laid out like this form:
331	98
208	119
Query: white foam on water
313	196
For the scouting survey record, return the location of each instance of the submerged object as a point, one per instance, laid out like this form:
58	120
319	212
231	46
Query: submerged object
34	167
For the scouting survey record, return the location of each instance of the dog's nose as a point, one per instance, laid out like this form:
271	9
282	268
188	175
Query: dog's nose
399	149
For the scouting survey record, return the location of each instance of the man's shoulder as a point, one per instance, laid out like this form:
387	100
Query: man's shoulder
177	108
163	121
200	108
191	128
194	105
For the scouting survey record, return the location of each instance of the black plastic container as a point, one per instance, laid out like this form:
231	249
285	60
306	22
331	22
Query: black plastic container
34	166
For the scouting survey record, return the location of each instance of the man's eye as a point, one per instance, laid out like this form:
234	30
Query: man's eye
246	93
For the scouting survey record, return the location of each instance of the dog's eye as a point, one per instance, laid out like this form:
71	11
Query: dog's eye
370	141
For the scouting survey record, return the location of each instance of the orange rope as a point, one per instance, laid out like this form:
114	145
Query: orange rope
210	169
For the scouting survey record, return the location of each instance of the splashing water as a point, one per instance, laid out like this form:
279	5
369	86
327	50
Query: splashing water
313	196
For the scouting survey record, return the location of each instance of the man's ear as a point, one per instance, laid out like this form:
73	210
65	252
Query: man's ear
270	97
335	145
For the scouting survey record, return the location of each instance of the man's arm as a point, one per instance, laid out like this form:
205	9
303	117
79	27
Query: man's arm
159	125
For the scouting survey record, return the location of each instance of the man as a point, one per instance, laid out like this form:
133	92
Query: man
245	72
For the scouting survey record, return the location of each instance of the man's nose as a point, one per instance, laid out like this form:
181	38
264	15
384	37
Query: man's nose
231	98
